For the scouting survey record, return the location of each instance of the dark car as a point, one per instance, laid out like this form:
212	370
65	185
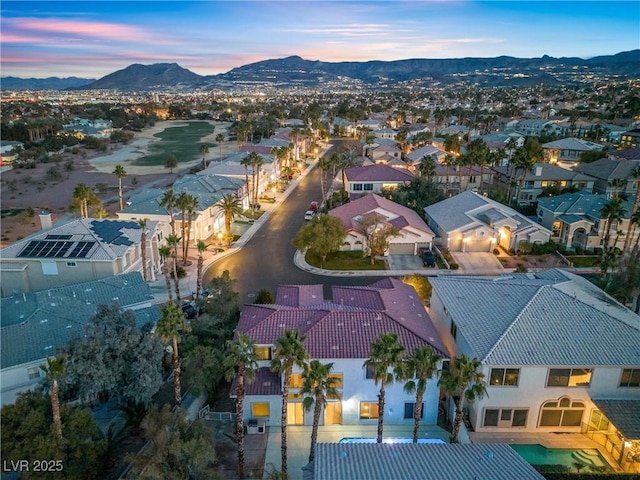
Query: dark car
428	258
189	310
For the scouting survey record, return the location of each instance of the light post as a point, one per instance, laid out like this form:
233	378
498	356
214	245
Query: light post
220	239
273	189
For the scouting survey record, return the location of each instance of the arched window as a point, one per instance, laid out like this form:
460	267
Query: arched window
562	412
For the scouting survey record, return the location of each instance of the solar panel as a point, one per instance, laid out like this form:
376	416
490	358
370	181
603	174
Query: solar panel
110	231
81	250
45	249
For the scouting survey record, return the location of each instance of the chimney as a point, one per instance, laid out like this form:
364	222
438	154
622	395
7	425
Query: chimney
45	220
538	171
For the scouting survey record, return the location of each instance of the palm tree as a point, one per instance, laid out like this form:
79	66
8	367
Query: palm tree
54	369
463	381
231	208
142	223
240	361
192	205
220	139
101	213
170	326
204	150
324	164
427	167
613	212
420	366
173	241
317	385
246	162
120	173
202	247
165	253
168	201
385	354
256	164
81	195
346	160
289	351
635	174
182	203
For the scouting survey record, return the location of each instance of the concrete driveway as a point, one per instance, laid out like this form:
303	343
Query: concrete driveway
478	263
405	262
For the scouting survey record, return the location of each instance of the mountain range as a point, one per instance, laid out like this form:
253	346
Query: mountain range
295	71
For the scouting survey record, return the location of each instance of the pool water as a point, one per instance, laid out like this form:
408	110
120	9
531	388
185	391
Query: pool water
540	455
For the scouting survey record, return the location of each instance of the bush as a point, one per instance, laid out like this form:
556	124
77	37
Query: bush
180	271
496	251
521	268
454	266
579	251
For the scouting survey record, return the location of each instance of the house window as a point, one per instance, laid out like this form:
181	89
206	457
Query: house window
505	377
368	410
368	186
262	353
557	225
296	380
598	422
569	377
356	187
34	372
544	183
260	409
505	417
561	413
409	410
630	377
454	329
72	264
370	372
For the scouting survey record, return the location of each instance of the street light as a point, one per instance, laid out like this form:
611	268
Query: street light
220	238
273	189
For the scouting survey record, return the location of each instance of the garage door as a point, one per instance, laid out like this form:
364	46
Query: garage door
478	245
402	248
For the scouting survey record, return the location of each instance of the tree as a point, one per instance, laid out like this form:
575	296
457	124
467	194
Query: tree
170	327
613	213
173	241
317	385
628	276
635	174
165	253
289	352
54	369
177	449
231	208
246	162
463	380
114	358
427	167
26	434
524	159
324	234
120	173
204	150
416	195
420	366
171	162
348	159
324	164
256	165
142	223
240	362
192	205
83	197
220	139
202	247
168	201
101	213
385	355
264	297
377	233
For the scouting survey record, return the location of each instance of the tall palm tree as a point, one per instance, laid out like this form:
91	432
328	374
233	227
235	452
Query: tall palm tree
240	362
427	167
204	150
120	173
192	206
231	208
170	327
635	174
173	241
324	164
168	201
348	159
385	355
142	223
290	352
165	253
613	212
54	369
317	385
256	164
220	139
420	366
81	195
246	163
183	201
463	380
202	247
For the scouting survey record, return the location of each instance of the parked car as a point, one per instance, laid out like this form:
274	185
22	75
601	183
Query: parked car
313	206
309	214
189	310
427	256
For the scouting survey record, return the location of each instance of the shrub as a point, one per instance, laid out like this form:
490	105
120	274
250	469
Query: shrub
496	251
579	250
68	165
521	268
454	266
53	174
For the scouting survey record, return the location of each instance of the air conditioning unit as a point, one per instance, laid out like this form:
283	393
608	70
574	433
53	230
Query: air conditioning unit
255	427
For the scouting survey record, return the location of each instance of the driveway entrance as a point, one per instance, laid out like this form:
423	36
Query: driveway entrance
478	263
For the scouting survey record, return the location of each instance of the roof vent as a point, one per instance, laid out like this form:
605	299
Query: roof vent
431	339
44	320
281	325
366	324
49	347
420	315
341	324
402	319
335	347
52	304
69	326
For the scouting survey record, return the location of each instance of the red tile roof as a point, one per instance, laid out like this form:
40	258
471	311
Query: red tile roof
377	173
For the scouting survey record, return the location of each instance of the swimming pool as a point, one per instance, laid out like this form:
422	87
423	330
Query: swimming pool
537	454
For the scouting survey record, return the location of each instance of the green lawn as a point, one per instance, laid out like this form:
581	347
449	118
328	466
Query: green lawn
584	260
344	261
181	141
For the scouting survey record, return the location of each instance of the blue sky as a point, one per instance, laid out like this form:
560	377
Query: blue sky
93	38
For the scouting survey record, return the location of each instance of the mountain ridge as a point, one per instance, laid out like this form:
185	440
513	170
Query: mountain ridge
296	71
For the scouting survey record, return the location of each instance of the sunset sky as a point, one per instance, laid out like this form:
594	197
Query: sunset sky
93	38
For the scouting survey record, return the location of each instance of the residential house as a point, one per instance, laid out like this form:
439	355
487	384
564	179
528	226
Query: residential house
566	151
414	158
7	152
341	332
534	127
81	127
389	133
36	325
374	178
549	343
232	167
387	155
542	176
469	222
613	175
453	179
576	220
80	250
418	461
413	232
207	189
630	138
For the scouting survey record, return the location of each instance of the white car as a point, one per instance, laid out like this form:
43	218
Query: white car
309	214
